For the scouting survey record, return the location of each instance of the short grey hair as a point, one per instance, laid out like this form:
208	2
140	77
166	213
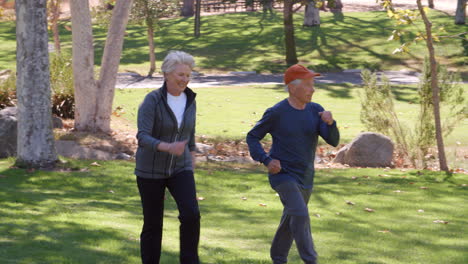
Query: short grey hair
177	57
295	82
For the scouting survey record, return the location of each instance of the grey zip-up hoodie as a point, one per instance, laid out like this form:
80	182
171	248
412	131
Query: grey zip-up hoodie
157	123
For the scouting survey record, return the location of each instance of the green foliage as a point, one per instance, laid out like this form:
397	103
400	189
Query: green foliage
8	90
378	112
61	84
102	13
151	11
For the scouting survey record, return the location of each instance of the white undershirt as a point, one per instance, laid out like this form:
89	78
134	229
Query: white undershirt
177	105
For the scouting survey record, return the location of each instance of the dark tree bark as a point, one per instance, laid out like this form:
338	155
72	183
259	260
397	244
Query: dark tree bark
290	42
197	24
430	3
187	8
460	14
35	145
435	89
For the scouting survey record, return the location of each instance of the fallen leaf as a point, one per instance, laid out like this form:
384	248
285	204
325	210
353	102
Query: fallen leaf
277	194
95	164
200	198
32	170
354	177
398	191
369	210
350	203
262	204
365	176
13	167
111	191
420	211
84	169
464	185
423	187
244	198
411	183
440	222
317	215
384	231
338	213
384	175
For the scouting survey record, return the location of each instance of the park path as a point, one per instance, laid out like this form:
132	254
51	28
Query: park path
133	80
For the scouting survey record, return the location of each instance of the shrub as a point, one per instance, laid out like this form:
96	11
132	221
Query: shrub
8	91
61	84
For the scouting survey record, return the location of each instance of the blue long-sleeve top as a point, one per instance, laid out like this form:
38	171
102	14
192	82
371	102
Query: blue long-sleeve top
295	136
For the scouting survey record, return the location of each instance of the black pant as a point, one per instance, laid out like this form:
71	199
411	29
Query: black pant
182	188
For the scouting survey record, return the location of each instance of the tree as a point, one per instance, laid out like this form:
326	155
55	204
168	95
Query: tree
187	8
93	98
435	88
150	12
312	13
335	5
430	3
197	23
35	146
460	14
289	40
54	15
408	17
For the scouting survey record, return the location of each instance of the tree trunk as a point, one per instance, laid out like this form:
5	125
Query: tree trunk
335	5
83	66
187	8
152	56
110	63
312	15
435	89
290	42
35	145
197	24
55	15
430	3
460	14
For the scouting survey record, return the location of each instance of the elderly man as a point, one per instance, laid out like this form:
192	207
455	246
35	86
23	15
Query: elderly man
294	124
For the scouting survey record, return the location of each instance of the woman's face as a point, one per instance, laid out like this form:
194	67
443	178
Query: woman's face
178	79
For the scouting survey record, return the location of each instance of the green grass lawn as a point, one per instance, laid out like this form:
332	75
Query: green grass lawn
94	216
249	41
230	112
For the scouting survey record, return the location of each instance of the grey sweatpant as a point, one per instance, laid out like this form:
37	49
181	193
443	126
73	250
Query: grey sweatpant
294	225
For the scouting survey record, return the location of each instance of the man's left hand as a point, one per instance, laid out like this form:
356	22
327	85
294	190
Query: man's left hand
327	117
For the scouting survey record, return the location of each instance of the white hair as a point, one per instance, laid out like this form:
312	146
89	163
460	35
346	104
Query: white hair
295	82
177	57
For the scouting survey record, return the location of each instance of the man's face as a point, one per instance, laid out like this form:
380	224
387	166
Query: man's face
303	91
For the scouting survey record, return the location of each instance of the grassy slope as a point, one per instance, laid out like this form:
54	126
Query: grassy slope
229	112
249	41
72	217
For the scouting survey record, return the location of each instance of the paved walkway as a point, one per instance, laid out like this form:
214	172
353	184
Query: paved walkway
132	80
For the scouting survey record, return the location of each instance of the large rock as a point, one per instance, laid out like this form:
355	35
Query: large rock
8	132
71	149
367	150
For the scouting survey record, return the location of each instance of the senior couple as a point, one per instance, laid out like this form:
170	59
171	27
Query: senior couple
165	159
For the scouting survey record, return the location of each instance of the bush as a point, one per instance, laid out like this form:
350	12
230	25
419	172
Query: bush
378	113
8	91
61	84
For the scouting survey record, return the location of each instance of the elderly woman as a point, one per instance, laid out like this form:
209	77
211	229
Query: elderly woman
165	159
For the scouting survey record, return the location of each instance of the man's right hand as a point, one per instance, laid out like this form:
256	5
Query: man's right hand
274	167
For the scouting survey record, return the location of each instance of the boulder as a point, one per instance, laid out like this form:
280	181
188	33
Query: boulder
72	149
8	132
367	150
203	148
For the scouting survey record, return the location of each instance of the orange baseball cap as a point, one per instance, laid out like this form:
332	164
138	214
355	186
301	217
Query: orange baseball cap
298	71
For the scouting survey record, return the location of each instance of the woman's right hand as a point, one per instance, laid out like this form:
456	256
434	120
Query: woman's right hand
176	148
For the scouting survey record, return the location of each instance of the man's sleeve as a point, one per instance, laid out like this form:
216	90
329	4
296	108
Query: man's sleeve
329	133
146	124
257	133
